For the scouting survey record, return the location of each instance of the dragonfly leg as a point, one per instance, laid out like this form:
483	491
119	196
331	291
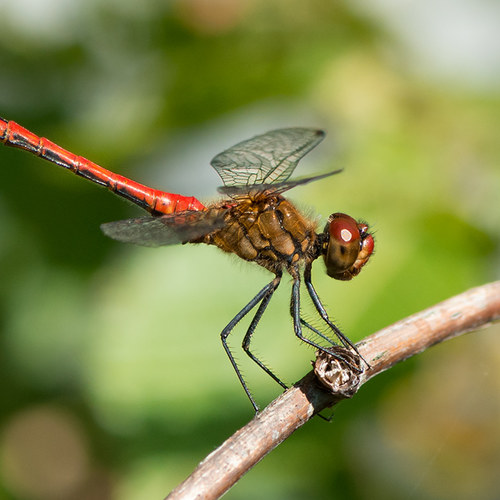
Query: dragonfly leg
264	295
297	323
295	312
324	315
246	341
315	330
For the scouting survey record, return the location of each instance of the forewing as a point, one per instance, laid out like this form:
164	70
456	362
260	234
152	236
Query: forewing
164	230
275	188
266	159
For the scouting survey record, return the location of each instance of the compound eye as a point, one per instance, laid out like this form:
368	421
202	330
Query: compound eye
343	245
344	230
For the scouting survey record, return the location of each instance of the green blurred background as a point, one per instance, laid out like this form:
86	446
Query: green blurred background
114	382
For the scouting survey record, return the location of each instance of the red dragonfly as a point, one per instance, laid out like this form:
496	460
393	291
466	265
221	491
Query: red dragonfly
254	221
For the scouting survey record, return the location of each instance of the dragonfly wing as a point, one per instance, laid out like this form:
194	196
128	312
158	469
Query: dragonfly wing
266	159
165	230
275	188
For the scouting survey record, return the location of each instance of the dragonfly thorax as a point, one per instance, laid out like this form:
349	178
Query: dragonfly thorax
268	230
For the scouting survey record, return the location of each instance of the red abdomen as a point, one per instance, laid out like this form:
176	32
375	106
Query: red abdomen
152	200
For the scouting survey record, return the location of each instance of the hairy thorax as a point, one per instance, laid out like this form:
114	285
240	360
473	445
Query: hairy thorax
265	229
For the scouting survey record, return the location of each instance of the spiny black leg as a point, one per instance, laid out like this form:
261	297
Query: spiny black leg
324	315
310	327
317	332
327	349
228	329
322	311
295	311
251	329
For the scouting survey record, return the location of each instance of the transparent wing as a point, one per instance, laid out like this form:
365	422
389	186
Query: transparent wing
280	187
266	159
164	230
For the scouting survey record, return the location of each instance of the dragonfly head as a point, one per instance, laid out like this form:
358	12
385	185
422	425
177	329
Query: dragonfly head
347	246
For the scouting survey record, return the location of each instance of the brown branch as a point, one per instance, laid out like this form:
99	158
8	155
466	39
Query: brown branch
463	313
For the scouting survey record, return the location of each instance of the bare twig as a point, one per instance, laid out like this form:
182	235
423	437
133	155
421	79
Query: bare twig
463	313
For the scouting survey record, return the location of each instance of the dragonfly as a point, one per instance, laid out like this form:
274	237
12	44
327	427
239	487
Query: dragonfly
253	220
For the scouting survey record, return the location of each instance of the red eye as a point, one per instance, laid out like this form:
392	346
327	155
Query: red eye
343	245
344	229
